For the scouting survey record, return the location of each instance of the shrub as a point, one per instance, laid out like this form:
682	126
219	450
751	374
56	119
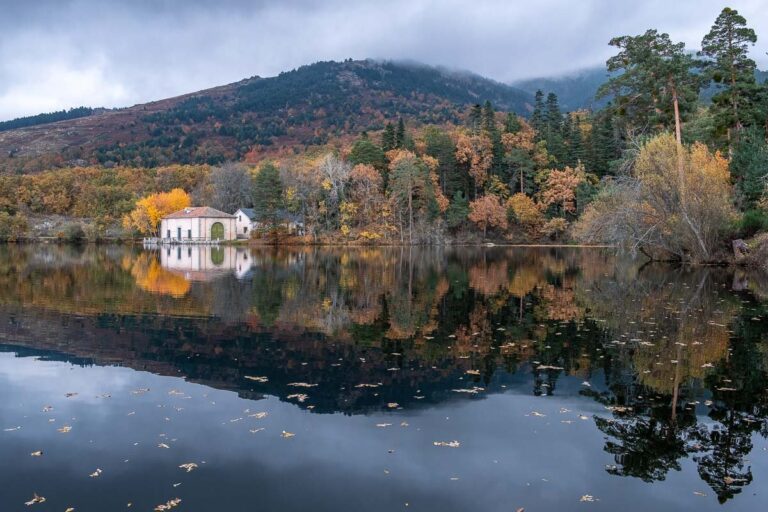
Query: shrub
12	227
752	222
553	228
72	233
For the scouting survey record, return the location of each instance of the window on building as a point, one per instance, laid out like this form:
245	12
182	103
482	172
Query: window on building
189	233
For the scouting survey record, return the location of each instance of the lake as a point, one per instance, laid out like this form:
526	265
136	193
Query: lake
425	379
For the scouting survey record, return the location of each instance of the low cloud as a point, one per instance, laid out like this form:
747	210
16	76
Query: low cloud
62	53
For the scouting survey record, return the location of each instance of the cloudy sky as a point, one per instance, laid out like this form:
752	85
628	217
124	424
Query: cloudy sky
56	54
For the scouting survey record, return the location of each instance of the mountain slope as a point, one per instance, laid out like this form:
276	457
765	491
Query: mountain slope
311	105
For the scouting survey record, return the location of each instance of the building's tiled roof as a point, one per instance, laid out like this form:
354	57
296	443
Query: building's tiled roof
197	212
249	213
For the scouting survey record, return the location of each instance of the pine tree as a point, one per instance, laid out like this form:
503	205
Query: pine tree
475	120
537	117
749	166
654	84
727	46
388	140
553	116
512	123
364	151
553	129
603	144
577	151
439	145
400	134
268	195
458	210
489	117
492	131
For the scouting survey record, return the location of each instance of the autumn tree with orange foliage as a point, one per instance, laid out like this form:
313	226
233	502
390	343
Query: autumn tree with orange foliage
145	218
487	211
476	152
559	188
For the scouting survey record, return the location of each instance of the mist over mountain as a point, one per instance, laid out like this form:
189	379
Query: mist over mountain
307	106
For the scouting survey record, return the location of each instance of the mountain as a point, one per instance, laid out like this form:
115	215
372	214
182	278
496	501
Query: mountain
574	91
311	105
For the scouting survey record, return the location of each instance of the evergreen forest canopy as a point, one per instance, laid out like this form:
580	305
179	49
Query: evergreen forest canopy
659	168
51	117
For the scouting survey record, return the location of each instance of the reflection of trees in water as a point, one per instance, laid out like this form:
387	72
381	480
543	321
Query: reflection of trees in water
671	359
660	336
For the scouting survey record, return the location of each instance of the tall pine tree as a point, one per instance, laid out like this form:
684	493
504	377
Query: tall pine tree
726	48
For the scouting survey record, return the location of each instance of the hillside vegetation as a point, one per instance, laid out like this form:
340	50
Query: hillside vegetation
309	106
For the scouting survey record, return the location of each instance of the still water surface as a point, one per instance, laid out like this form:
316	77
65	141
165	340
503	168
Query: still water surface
378	379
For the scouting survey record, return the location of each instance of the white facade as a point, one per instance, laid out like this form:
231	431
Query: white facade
198	224
243	223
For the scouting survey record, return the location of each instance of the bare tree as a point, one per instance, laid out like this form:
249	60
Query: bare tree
232	186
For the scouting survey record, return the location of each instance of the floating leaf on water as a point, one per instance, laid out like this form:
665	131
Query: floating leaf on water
258	415
163	445
255	430
588	497
96	473
287	434
260	380
393	405
298	396
447	444
140	391
188	466
473	372
472	391
12	429
383	425
65	429
38	453
301	385
35	499
168	505
368	385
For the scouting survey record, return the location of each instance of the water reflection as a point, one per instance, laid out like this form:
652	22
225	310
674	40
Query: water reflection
675	357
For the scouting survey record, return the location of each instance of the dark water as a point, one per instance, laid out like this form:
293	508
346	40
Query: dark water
550	379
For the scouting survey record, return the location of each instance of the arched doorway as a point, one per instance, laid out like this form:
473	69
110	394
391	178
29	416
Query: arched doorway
217	231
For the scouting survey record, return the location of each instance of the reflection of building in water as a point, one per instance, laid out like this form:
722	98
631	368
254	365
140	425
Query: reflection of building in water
206	262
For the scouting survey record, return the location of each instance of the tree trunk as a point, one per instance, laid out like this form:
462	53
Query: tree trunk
681	174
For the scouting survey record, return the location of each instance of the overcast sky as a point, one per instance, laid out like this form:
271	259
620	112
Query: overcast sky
56	54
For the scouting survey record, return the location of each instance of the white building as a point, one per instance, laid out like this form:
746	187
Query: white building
245	220
198	224
205	262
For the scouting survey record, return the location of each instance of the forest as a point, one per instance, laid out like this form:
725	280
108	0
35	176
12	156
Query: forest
660	168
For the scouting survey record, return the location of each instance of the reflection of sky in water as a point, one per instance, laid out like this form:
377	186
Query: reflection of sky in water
508	458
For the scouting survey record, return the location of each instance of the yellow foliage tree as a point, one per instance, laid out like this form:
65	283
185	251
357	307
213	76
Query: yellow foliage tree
149	210
661	212
527	213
